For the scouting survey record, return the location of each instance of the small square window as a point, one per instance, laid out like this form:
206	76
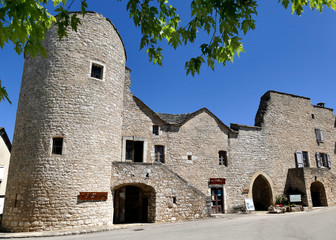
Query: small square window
189	157
174	200
57	146
155	130
97	71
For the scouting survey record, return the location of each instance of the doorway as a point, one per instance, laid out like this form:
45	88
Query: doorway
134	204
318	194
217	203
262	194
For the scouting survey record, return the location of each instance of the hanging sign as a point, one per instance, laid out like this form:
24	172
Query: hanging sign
93	196
219	181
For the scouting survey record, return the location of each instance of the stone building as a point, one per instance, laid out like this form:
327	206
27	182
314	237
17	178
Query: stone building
5	150
93	154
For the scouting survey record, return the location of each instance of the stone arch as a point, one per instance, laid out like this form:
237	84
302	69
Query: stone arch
318	194
134	203
261	191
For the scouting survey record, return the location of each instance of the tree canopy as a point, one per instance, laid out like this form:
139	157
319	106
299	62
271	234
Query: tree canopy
25	23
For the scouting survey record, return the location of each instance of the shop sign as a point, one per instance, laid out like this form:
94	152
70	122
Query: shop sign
219	181
295	198
93	196
249	204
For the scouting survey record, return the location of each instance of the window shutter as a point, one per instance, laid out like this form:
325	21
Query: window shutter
319	136
328	161
318	160
299	159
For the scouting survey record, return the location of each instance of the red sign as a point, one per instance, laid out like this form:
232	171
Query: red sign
93	196
219	181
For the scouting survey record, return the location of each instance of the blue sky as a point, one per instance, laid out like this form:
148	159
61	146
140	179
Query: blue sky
285	53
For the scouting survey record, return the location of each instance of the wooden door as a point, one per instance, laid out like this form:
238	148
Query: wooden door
217	200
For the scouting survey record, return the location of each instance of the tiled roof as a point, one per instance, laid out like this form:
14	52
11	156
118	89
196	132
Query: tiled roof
175	118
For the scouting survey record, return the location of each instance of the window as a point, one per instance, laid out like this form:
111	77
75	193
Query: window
189	157
302	159
319	136
155	130
323	160
97	71
313	116
57	147
134	151
159	154
223	158
174	200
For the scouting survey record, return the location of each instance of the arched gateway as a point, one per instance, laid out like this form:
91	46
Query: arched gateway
318	194
134	203
261	193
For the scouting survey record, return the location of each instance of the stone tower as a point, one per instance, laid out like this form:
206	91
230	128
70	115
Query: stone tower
68	130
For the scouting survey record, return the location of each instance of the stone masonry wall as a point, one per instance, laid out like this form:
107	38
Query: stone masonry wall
289	122
249	153
190	202
201	137
59	98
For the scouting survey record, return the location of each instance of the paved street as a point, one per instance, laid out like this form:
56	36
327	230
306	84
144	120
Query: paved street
316	224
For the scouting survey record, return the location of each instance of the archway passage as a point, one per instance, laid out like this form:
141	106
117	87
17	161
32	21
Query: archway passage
262	194
134	204
318	194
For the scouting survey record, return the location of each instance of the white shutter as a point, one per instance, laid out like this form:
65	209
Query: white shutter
318	160
319	136
328	161
299	159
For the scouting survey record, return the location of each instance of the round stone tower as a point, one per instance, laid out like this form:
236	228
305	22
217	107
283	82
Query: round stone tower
68	131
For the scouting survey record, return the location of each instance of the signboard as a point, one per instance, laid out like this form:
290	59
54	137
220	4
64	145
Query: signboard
93	196
245	191
295	198
249	204
220	181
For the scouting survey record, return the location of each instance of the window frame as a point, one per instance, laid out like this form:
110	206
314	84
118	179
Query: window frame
54	148
302	159
159	156
156	130
98	64
323	160
222	158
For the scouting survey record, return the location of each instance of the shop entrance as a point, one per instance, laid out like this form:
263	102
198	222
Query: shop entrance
134	204
217	205
262	194
318	194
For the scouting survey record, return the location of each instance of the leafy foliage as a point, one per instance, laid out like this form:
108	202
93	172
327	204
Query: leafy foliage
3	94
25	23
